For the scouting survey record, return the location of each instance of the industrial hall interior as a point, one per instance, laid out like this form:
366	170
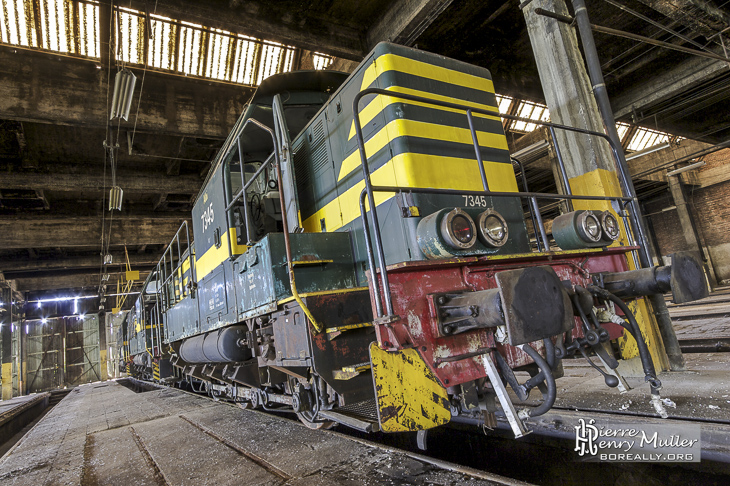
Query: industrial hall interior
365	242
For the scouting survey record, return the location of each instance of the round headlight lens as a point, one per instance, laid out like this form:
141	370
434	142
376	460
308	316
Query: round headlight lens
589	228
609	223
592	227
462	229
458	229
492	228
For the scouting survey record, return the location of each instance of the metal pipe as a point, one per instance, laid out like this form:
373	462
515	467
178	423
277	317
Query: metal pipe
477	150
552	390
287	246
540	224
561	167
604	107
671	344
628	35
371	200
529	205
369	250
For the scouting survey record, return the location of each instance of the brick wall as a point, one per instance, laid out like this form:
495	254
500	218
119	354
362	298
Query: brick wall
711	205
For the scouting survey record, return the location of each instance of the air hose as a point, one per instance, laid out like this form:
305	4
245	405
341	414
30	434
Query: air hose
546	372
633	328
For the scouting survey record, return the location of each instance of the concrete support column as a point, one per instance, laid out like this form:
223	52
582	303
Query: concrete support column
685	220
567	89
689	230
6	343
589	162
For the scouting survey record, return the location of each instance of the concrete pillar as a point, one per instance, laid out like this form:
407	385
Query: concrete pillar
567	89
685	220
589	163
6	343
689	230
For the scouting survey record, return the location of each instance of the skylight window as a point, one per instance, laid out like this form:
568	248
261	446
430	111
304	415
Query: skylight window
645	138
64	26
322	61
533	111
503	103
72	27
622	129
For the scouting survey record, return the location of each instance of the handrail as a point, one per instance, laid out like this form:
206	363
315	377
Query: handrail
245	185
285	229
628	199
164	278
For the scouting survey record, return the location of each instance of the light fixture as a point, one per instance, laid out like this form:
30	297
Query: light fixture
686	168
653	148
107	259
123	92
115	198
532	152
44	321
82	317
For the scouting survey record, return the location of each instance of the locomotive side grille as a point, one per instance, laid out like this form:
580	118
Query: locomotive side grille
319	154
301	157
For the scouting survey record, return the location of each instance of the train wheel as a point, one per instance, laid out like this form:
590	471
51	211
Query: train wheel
306	419
245	405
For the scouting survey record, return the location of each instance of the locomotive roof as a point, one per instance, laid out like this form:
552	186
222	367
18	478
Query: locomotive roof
318	81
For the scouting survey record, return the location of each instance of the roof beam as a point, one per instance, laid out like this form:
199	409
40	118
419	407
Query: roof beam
57	282
16	266
43	88
24	232
405	21
655	90
132	183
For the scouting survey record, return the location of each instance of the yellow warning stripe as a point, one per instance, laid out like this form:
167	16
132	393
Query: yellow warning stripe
382	101
324	292
394	62
413	170
210	260
412	128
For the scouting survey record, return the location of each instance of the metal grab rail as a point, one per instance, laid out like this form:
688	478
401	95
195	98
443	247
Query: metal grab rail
241	195
627	200
170	281
285	229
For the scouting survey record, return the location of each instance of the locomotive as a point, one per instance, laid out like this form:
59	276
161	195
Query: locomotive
360	255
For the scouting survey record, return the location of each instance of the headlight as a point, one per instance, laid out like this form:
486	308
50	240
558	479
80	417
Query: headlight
610	227
589	227
493	229
577	229
458	229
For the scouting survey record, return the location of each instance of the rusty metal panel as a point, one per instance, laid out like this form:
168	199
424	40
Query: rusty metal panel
82	350
412	282
44	354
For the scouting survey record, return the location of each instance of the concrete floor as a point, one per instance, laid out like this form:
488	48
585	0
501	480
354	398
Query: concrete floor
107	434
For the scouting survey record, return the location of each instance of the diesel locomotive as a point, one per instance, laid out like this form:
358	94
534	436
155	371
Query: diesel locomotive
360	254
